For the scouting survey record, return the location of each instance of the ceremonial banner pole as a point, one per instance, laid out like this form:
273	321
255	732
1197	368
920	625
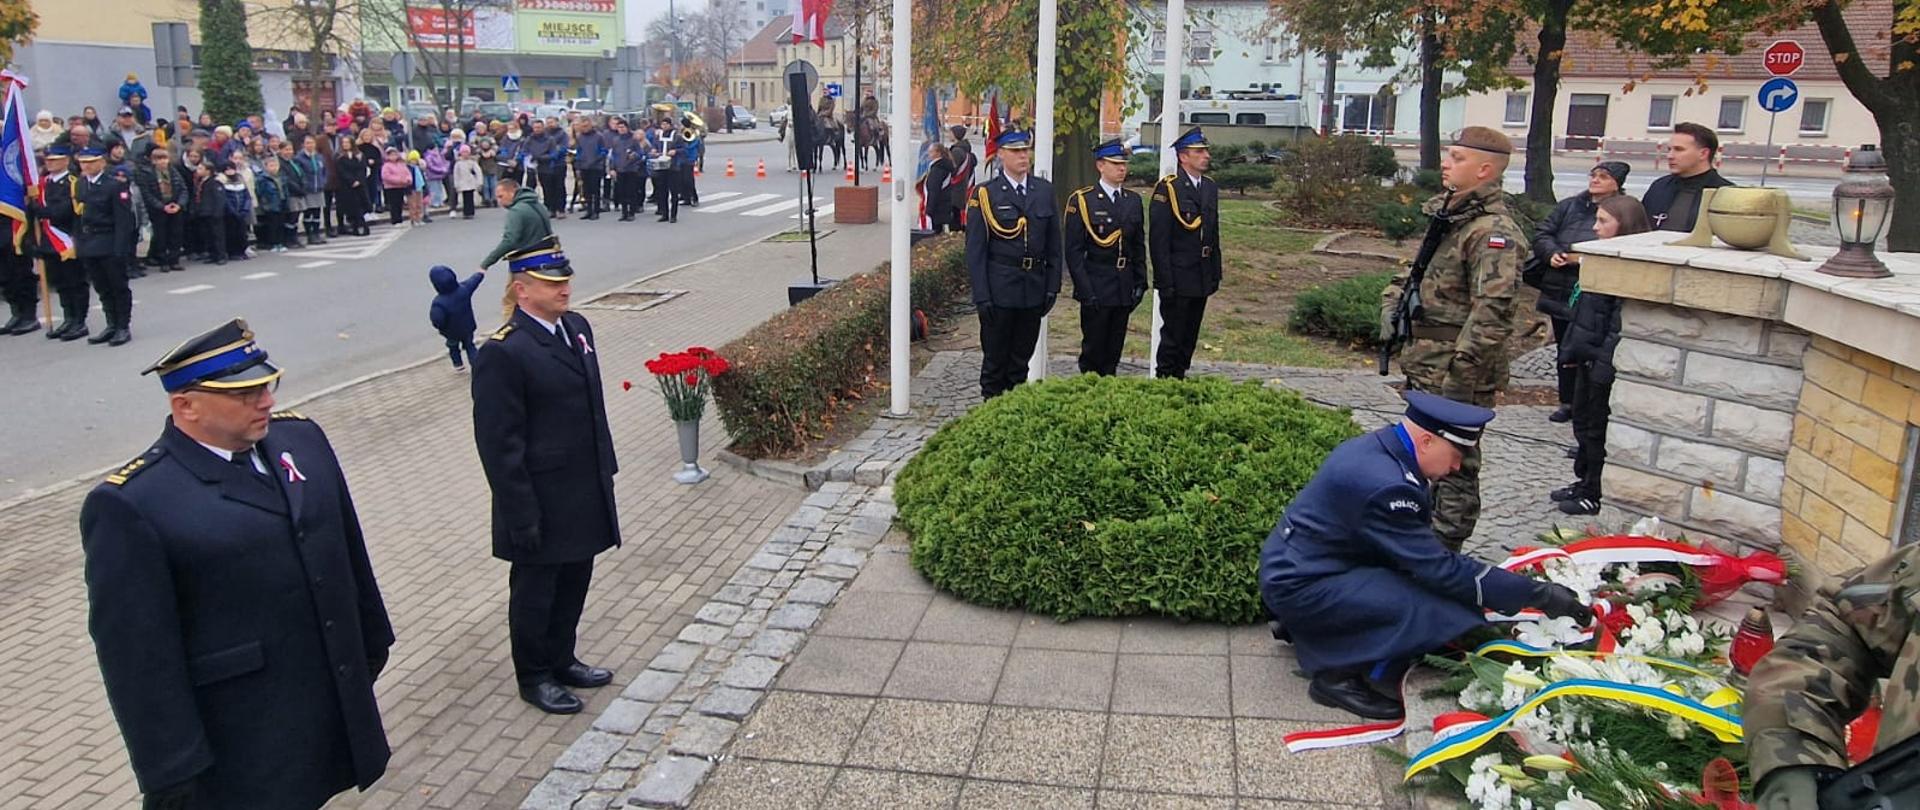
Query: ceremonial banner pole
900	356
1176	58
1043	144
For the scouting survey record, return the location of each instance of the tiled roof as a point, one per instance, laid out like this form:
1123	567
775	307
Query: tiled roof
1590	55
765	46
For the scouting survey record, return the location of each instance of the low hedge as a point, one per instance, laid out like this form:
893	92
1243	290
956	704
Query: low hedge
1113	496
793	373
1348	309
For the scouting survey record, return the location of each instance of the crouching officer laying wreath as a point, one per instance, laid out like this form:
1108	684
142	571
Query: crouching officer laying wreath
540	423
1860	630
1013	263
1455	342
1106	251
230	598
1356	577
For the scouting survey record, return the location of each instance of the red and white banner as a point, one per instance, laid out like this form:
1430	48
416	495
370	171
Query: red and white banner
486	29
811	22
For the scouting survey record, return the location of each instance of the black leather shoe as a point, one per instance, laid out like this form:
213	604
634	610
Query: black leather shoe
581	676
549	697
120	337
1349	692
1561	414
104	336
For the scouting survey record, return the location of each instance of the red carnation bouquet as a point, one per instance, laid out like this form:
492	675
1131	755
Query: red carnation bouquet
684	379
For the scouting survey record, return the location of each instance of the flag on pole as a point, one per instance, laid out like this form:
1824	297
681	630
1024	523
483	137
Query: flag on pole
18	172
811	24
993	128
930	127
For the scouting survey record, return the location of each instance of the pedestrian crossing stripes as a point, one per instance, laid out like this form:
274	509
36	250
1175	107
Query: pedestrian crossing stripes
190	289
258	276
743	202
356	248
818	213
776	208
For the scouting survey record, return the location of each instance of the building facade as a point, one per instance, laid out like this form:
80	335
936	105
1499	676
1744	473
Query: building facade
755	75
552	50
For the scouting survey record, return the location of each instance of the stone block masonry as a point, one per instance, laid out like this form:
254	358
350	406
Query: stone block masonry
1703	418
1843	479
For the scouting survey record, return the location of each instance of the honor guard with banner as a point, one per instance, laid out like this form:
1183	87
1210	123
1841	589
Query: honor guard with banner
19	283
1357	579
106	242
540	423
1183	236
1106	252
58	217
1464	294
231	600
1013	263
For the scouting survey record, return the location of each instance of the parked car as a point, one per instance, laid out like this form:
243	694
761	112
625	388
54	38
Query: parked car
740	118
585	105
780	115
550	111
494	110
415	110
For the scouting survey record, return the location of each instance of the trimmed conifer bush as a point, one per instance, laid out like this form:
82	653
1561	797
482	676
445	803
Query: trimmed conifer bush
1113	496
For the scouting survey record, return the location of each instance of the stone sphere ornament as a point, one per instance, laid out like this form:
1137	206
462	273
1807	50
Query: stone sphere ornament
1744	218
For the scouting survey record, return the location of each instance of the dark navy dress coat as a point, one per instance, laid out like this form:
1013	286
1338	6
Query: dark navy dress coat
1355	573
540	422
235	616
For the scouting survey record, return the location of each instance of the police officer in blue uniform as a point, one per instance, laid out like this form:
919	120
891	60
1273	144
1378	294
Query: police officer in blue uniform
231	601
1106	253
1013	263
105	242
1184	239
541	426
1356	577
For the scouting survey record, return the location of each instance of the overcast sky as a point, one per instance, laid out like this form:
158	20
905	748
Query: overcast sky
641	12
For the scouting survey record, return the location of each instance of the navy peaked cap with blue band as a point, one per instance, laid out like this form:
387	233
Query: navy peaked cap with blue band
1112	150
543	261
1457	422
1015	139
223	357
1191	139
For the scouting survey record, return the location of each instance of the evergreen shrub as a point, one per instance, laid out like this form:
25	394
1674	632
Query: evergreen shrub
1113	496
1348	309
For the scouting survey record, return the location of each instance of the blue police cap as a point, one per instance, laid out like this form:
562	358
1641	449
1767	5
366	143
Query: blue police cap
93	153
59	150
543	261
1457	422
224	357
1015	139
1191	139
1112	150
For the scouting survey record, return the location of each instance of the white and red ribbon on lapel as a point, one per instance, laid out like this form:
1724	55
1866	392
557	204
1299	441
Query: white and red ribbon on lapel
293	471
585	347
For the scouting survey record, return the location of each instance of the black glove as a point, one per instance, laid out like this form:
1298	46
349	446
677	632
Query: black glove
1048	307
1557	601
1794	788
172	797
377	662
526	540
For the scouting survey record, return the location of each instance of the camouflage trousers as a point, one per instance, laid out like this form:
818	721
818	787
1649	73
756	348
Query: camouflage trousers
1428	365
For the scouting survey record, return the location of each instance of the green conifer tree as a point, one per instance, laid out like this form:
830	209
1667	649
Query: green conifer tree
228	84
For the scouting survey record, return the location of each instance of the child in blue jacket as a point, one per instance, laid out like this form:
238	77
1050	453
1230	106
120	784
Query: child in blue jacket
452	312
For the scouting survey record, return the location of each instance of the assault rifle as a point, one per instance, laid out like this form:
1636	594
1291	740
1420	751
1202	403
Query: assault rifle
1410	309
1889	780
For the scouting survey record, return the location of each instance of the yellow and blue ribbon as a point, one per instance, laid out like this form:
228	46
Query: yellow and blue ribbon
1528	651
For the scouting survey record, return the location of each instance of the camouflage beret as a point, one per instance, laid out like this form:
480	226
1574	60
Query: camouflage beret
1484	139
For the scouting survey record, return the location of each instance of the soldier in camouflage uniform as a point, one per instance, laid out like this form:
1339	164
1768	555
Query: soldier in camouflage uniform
1458	348
1818	678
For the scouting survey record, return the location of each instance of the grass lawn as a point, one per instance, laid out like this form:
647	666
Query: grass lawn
1266	265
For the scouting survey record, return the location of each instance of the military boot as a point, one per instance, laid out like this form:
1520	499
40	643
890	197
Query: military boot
75	326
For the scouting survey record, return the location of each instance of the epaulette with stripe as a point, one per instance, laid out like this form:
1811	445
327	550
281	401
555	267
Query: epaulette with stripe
280	416
134	467
502	332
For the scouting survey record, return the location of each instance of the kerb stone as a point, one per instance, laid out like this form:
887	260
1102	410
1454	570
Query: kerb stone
751	672
814	591
729	702
794	617
652	686
623	716
670	782
702	736
557	791
590	752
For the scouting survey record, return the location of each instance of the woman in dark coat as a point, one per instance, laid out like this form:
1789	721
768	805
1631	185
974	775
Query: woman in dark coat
1588	347
1556	268
933	194
350	174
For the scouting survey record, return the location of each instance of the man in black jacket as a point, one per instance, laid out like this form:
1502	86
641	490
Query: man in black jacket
1106	252
1183	236
540	423
1673	201
1555	268
106	242
165	193
231	600
591	148
1013	263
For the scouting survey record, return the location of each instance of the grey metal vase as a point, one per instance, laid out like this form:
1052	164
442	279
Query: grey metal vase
690	471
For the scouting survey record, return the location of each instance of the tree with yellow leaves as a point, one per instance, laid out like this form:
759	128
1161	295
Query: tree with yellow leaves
17	24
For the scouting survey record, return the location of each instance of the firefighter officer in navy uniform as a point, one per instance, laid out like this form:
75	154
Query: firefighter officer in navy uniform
231	601
1183	236
1356	577
1106	253
540	423
65	277
1013	263
105	242
19	283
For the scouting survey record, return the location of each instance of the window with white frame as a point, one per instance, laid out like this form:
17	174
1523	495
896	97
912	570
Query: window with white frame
1733	114
1159	47
1813	115
1276	51
1517	104
1660	113
1200	45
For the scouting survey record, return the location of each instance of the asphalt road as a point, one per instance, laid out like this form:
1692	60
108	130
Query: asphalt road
335	313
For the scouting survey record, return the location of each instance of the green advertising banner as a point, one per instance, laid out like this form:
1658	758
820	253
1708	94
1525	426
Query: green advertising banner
583	34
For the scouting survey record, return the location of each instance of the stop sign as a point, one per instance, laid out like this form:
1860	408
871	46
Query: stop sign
1784	58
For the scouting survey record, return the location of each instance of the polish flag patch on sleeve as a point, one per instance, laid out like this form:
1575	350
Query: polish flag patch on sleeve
1497	242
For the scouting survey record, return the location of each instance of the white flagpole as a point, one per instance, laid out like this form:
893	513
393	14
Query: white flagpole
1176	59
1043	145
900	356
